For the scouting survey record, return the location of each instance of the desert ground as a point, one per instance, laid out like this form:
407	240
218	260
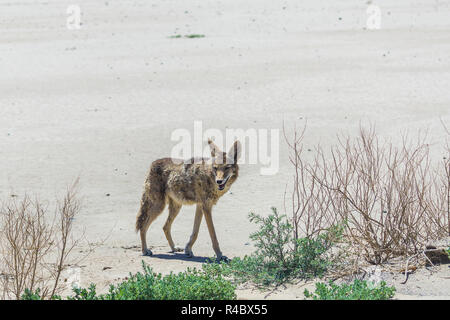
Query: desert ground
101	103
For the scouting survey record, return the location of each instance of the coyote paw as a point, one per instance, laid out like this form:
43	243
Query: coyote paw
222	258
189	253
147	252
176	249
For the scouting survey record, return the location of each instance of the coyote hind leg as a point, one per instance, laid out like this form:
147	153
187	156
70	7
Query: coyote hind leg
150	210
174	209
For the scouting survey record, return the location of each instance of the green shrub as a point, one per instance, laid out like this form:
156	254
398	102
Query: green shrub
148	285
36	295
30	295
358	290
189	285
279	257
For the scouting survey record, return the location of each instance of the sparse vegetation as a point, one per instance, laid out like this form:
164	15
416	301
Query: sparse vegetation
192	284
279	256
358	290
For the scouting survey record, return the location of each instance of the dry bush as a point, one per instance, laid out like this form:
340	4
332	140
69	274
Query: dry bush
35	246
26	240
311	205
391	199
437	199
443	185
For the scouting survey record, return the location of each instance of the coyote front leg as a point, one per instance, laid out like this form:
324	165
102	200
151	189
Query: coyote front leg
193	238
207	212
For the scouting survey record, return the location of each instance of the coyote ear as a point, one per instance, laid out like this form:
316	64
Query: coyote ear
235	151
215	150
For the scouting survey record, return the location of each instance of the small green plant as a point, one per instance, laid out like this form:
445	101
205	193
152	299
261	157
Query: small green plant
192	36
30	295
358	290
279	256
36	295
86	294
192	284
189	36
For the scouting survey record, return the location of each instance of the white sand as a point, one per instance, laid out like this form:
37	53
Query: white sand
101	102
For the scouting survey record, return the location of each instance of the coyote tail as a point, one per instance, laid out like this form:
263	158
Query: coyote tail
142	214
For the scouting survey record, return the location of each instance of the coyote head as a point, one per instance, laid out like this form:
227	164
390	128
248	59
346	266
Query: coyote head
224	165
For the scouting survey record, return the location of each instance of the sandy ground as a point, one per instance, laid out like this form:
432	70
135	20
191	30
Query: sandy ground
101	102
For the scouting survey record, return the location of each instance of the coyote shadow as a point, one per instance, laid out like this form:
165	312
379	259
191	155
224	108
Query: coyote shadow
179	256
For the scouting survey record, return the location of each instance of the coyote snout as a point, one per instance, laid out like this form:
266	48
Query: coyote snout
199	181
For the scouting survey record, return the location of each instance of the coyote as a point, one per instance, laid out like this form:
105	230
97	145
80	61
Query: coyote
199	181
